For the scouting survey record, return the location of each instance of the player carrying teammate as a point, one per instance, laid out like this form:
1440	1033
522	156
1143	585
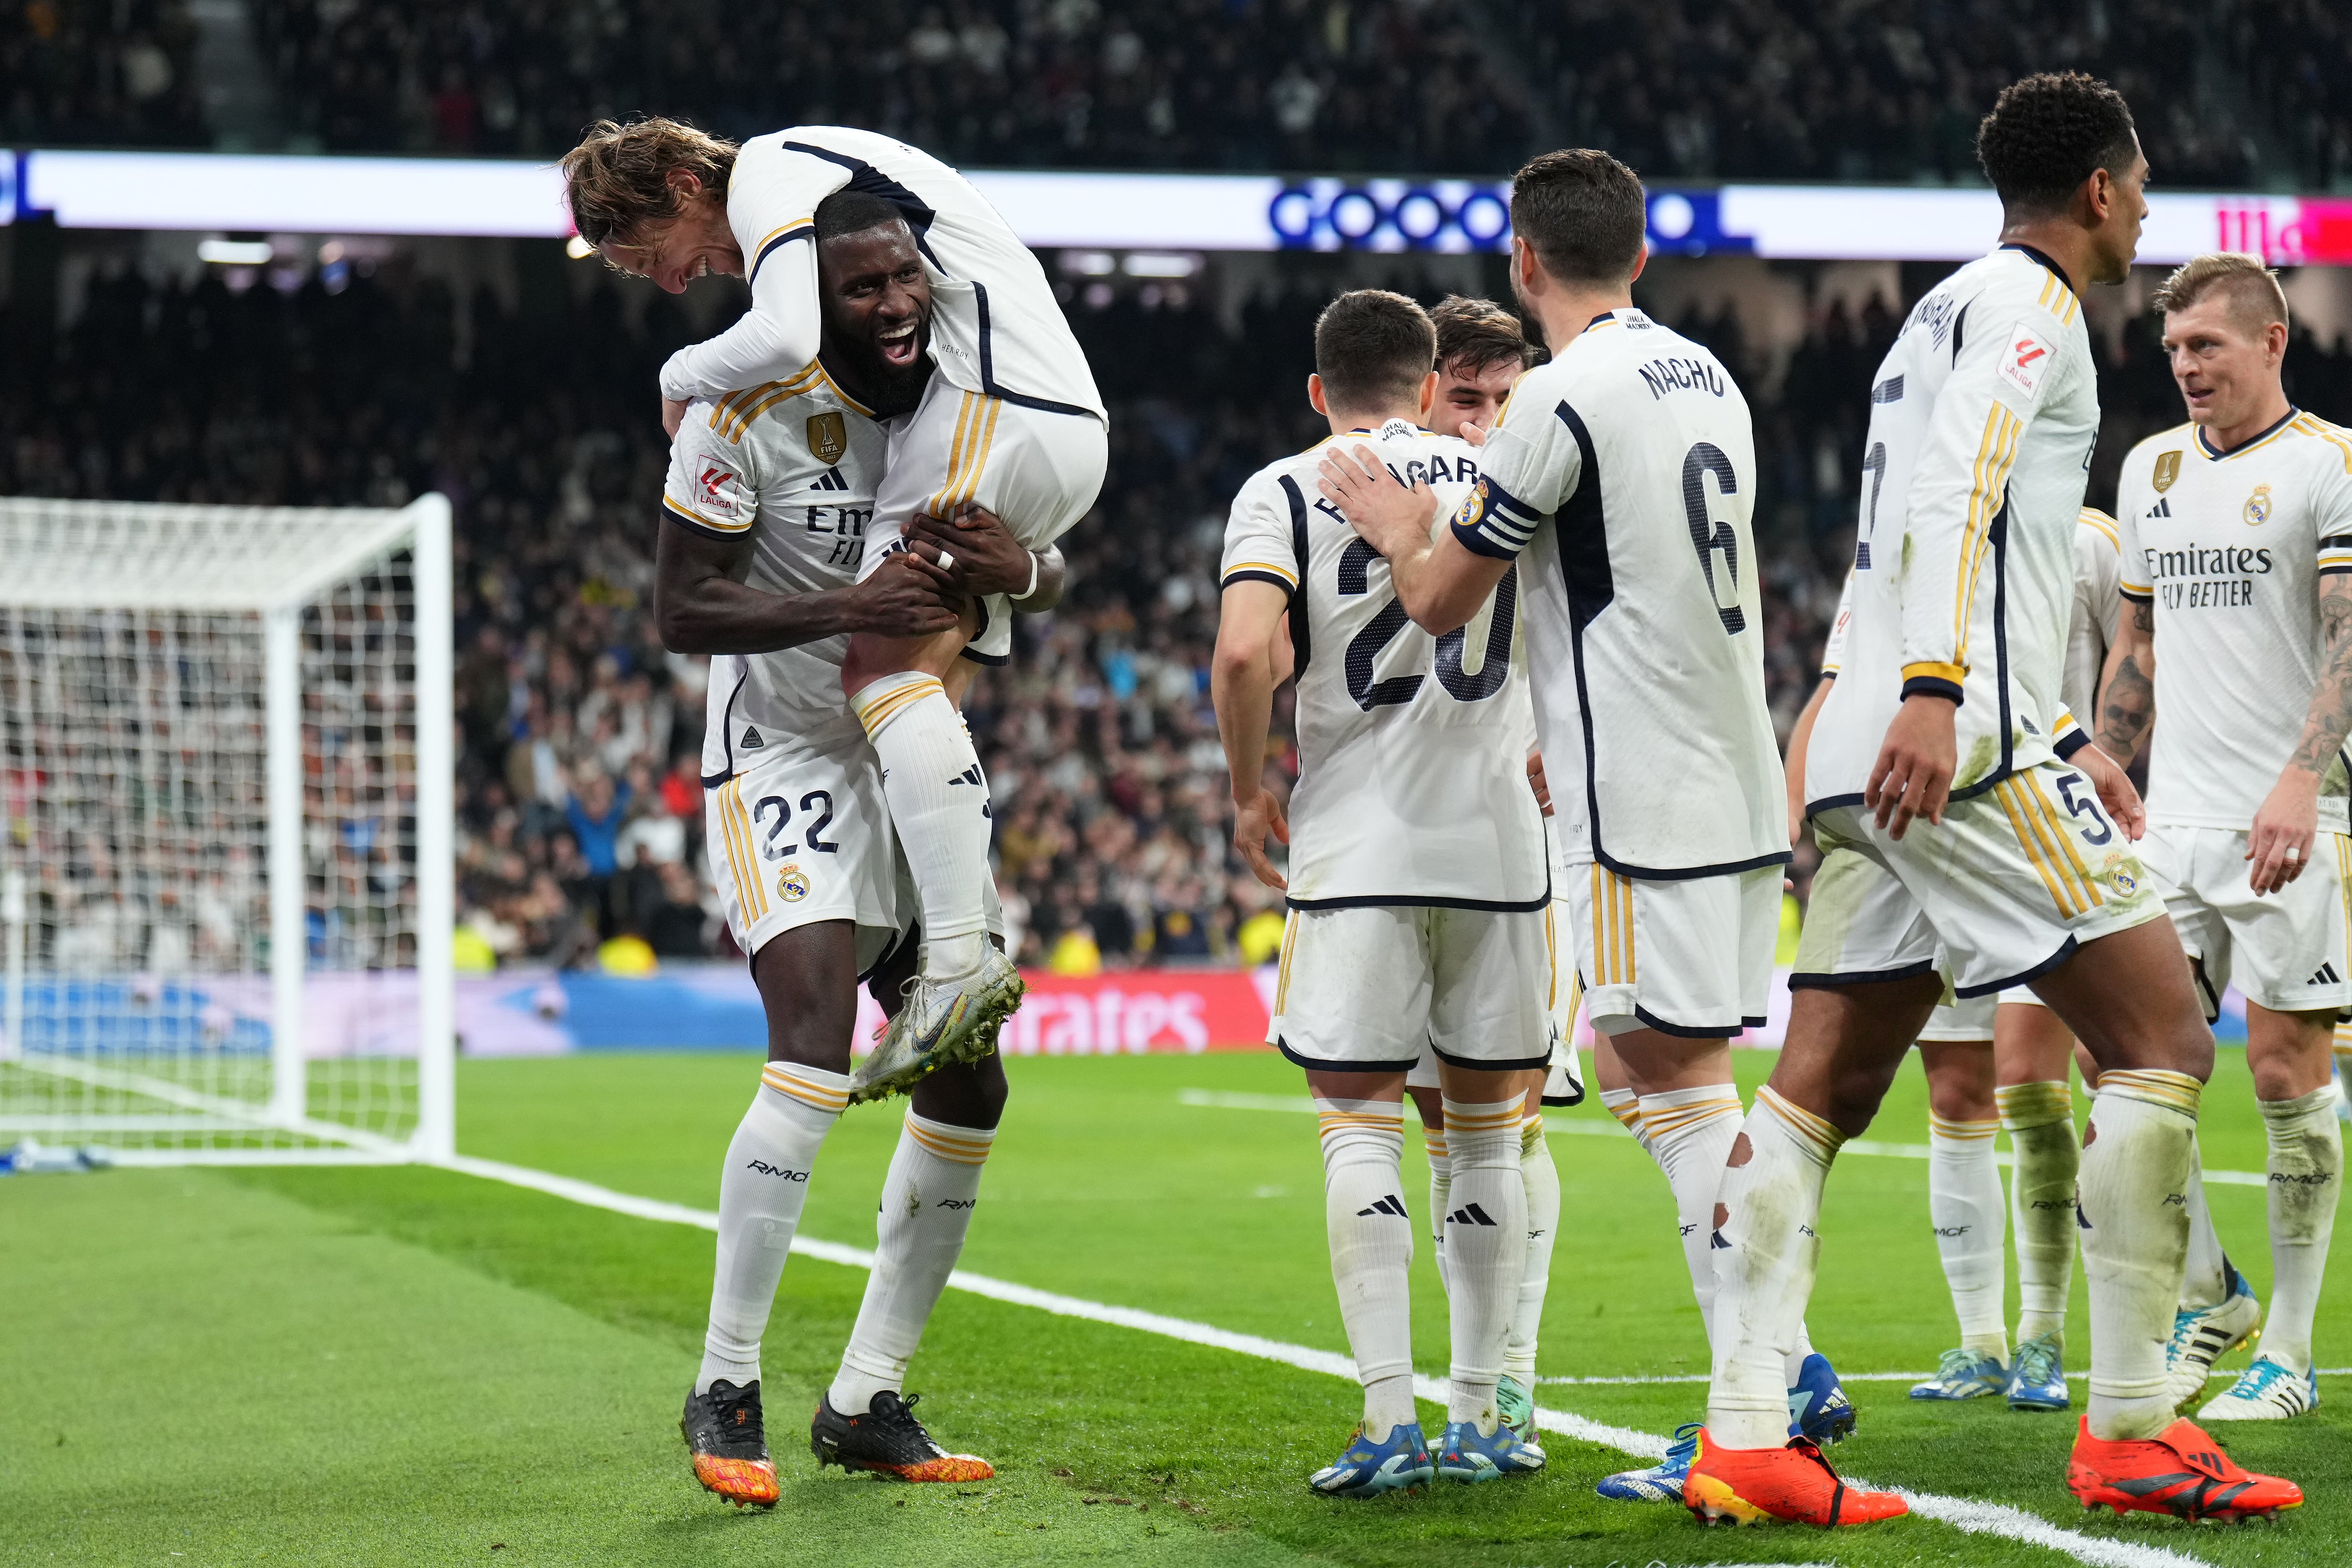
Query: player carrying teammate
1417	889
2236	530
758	562
1011	422
1967	843
1624	469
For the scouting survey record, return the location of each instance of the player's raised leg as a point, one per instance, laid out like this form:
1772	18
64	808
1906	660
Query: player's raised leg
1965	1204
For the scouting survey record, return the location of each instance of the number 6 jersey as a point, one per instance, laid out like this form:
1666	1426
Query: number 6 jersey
1413	785
1626	470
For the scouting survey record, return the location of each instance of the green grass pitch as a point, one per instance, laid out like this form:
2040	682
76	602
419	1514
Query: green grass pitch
408	1365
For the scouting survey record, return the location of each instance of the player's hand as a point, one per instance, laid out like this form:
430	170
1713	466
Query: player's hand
2280	843
1535	781
672	415
1254	819
978	551
1476	434
1796	814
905	597
1392	517
2116	792
1913	775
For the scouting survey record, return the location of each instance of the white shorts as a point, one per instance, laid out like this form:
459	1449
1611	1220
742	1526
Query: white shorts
1365	988
801	834
2014	882
2286	952
1039	471
1972	1019
1691	959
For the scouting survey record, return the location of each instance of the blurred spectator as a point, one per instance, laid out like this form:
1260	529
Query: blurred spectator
78	72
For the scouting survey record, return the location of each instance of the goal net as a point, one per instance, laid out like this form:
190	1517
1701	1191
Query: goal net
225	812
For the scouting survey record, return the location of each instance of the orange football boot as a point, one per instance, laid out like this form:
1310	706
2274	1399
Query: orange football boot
888	1440
1753	1486
729	1444
2180	1471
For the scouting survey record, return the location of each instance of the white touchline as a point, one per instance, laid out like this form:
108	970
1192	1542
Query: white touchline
1219	1100
1962	1513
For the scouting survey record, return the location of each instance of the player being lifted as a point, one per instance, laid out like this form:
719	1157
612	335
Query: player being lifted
1481	352
1998	1063
1967	845
758	565
1011	422
1625	469
1417	890
2236	530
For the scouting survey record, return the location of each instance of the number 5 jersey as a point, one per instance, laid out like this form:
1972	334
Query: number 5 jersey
1412	784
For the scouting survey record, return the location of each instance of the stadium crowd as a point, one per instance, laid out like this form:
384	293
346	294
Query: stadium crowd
579	799
1882	89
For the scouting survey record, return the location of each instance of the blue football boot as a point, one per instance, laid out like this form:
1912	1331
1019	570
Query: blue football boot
1662	1482
1964	1375
1368	1468
1818	1410
2037	1378
1463	1455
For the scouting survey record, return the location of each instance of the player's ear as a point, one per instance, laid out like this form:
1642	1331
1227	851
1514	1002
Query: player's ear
1315	395
1428	395
1641	260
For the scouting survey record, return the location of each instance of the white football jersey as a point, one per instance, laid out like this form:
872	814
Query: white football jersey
1412	756
2089	630
996	328
1626	470
2230	548
1981	424
792	465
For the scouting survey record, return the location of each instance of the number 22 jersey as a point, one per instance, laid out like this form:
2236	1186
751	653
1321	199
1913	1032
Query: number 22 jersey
1412	784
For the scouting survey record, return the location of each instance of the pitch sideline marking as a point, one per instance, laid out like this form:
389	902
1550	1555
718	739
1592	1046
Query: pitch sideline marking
1964	1514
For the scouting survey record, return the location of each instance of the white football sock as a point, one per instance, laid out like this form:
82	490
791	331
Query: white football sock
1441	1182
927	1205
1965	1204
1800	1345
2204	1279
1541	1180
1486	1250
1371	1233
1690	1133
1767	1210
938	803
2040	1120
2306	1168
2136	1166
1626	1106
761	1191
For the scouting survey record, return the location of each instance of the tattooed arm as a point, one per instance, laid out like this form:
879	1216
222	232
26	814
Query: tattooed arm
2289	818
2128	689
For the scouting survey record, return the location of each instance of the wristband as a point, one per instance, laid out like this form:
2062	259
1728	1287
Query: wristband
1035	562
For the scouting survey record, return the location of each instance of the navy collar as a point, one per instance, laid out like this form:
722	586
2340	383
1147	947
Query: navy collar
2055	270
2206	446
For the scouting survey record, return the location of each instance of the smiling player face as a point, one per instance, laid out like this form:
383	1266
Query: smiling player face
877	313
677	251
1468	396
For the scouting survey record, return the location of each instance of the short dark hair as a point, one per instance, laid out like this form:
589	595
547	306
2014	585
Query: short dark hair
847	212
2050	132
1478	333
1371	349
1583	212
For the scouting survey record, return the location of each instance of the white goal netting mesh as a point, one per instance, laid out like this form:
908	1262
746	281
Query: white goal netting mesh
217	871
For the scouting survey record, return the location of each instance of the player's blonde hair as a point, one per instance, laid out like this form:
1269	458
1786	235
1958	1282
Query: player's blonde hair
2255	298
617	180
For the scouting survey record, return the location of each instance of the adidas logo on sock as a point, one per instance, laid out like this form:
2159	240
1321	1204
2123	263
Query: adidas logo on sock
1468	1214
751	741
2326	977
969	776
1391	1206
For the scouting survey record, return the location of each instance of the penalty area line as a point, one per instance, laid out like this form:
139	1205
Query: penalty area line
1964	1514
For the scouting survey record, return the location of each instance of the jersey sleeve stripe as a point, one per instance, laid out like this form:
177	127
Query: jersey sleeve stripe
802	228
702	524
1996	454
1260	572
738	421
2311	426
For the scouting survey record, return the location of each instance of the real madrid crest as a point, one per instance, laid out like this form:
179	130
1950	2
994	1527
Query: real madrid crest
792	885
2168	469
2258	506
828	437
2121	873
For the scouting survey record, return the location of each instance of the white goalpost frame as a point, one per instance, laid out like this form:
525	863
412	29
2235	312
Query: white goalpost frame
423	528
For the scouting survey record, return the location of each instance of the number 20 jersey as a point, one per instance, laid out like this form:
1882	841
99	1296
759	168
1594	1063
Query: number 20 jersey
1625	471
1413	785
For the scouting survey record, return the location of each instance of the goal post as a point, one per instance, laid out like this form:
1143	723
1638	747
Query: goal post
226	832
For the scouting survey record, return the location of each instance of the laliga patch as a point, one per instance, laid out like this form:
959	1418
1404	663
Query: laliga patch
718	491
2025	360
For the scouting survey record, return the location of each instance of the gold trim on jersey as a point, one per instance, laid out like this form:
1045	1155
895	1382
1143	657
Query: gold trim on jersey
1551	957
1613	928
2066	305
2205	446
2334	435
2043	834
1281	571
699	520
975	434
743	859
1996	454
732	417
1282	974
2091	517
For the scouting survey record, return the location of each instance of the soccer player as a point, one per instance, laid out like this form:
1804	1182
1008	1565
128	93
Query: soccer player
1625	467
1417	890
2237	535
1011	422
1996	1063
766	505
1973	839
